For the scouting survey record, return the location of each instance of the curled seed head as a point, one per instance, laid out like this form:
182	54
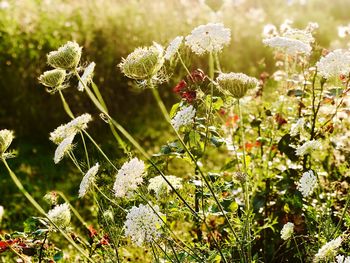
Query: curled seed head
53	78
66	57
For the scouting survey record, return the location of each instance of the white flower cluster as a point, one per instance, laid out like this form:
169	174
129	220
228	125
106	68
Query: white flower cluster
6	138
71	128
211	37
307	183
63	148
297	127
287	231
308	147
60	215
129	177
328	250
289	45
143	224
88	180
86	78
159	185
334	64
173	47
183	117
343	31
342	259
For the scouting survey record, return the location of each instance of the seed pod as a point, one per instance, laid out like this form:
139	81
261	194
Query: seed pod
66	57
53	78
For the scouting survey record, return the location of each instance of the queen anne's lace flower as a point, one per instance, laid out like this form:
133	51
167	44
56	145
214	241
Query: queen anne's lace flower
129	177
328	250
60	215
88	180
183	117
308	147
289	45
66	57
71	128
287	231
142	224
211	37
159	185
342	259
307	183
173	47
6	138
86	78
297	127
63	148
53	78
334	64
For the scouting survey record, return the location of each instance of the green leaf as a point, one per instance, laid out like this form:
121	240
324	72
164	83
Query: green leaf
284	147
174	110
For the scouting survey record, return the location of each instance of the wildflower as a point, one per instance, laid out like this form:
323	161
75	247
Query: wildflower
63	148
297	127
129	177
60	215
211	37
334	64
328	250
86	78
342	259
143	63
308	148
142	224
289	45
51	198
66	57
269	31
183	117
173	47
287	231
71	128
53	78
159	185
343	31
236	84
180	86
307	183
6	138
88	180
1	212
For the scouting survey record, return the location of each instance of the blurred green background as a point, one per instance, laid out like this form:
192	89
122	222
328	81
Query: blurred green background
109	30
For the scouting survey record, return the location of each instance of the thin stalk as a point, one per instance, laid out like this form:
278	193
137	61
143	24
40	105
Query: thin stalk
41	210
42	247
164	252
184	65
154	253
342	215
296	245
65	105
85	149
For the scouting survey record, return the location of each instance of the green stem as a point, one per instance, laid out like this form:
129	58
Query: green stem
85	149
296	245
65	105
342	215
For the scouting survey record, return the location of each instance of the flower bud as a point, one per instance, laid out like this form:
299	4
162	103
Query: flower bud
6	138
53	78
66	57
236	84
143	63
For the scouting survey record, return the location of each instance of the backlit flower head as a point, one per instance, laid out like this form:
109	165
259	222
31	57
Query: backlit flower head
236	84
308	147
211	37
307	183
86	78
173	47
287	231
60	215
88	180
66	57
183	117
6	138
329	250
334	64
129	177
53	78
297	127
342	259
290	46
143	63
143	224
159	186
71	128
63	148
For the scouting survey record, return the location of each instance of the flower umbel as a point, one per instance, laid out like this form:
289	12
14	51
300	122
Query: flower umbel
60	215
86	78
160	186
183	117
6	138
328	250
88	180
287	231
308	147
53	79
143	224
334	64
173	47
129	177
63	148
307	183
66	57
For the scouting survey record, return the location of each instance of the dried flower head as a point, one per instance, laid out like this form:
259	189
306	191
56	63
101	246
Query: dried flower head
71	128
129	177
66	57
307	183
328	250
53	78
173	47
308	147
60	215
143	224
143	63
86	78
334	64
211	37
88	180
159	186
6	138
236	84
63	148
183	117
287	231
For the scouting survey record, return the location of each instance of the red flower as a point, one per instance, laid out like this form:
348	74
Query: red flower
279	119
231	120
92	231
105	240
189	96
180	86
197	76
